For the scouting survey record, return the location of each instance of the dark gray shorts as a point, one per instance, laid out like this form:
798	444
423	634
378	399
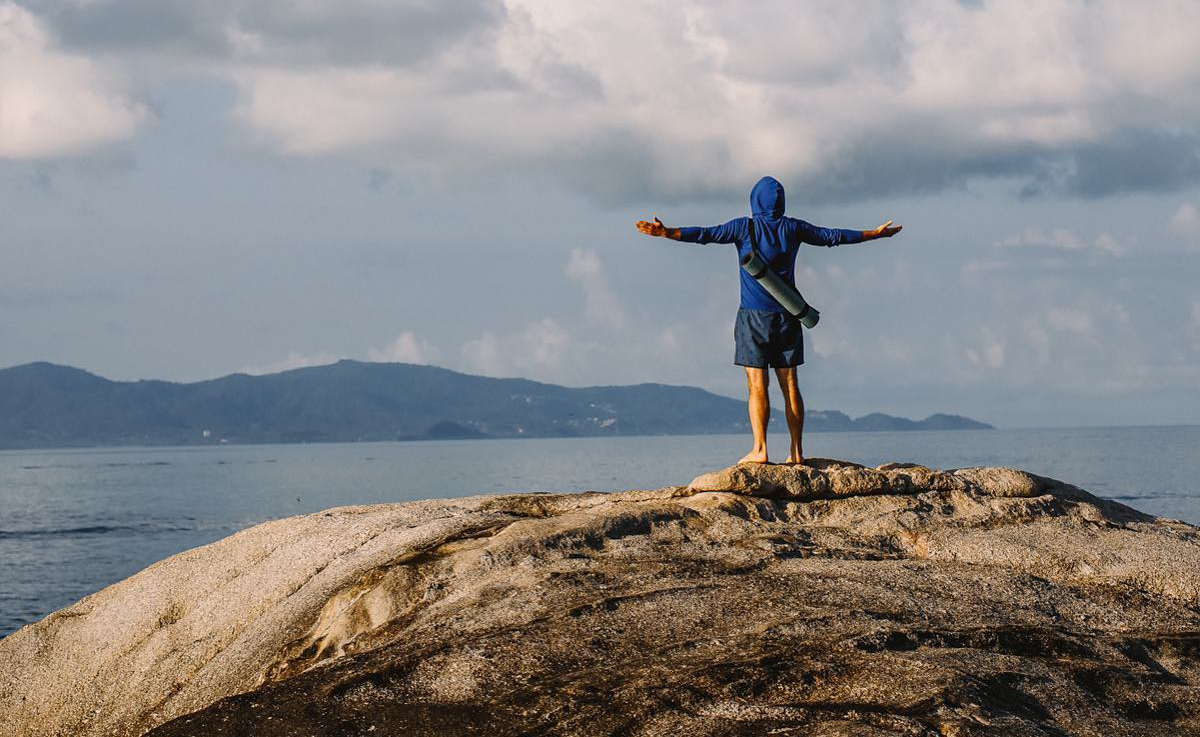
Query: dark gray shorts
767	339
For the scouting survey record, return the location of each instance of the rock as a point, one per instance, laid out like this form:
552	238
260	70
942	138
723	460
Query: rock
822	478
821	599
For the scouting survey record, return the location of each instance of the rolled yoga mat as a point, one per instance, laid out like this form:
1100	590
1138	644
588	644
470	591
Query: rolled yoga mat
783	292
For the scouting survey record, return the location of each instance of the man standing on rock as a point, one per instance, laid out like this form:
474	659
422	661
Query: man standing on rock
765	334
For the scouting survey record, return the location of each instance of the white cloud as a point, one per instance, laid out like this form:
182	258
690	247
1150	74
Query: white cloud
834	341
293	361
536	351
406	348
1196	325
1186	224
544	344
601	304
1071	335
53	103
636	98
1064	239
993	354
668	341
1186	219
483	355
894	350
965	85
974	269
989	352
1039	341
1067	320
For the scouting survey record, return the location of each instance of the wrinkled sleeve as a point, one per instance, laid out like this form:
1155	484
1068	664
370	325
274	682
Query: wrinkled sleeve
729	232
819	236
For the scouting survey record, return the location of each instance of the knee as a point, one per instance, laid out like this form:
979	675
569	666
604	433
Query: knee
757	380
788	384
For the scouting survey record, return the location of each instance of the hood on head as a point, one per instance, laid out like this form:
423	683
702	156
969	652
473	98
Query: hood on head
766	199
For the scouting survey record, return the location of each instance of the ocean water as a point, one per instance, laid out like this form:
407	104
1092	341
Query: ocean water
75	521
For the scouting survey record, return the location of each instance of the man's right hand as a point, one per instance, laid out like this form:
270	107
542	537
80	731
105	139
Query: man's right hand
657	229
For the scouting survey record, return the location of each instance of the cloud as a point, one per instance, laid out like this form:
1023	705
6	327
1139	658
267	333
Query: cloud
1068	339
348	32
54	103
1126	160
293	361
1069	320
483	355
601	304
1195	327
1059	239
1186	224
644	100
406	348
894	351
607	98
1039	341
1186	219
988	351
544	344
668	341
538	350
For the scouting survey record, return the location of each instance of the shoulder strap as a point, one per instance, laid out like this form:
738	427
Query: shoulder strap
753	245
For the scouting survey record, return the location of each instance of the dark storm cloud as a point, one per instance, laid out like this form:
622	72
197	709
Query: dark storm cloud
1128	161
911	160
356	32
619	168
123	26
1131	161
350	32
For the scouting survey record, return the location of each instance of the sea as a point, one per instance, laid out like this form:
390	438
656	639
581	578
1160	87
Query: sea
75	521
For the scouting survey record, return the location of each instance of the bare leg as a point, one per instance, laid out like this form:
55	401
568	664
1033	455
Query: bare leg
757	380
793	408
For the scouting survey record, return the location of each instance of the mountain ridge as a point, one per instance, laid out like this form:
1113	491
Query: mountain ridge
45	405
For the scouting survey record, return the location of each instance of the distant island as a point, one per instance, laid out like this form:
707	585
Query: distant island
44	405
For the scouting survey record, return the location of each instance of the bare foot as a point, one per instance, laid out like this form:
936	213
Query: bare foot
794	461
755	456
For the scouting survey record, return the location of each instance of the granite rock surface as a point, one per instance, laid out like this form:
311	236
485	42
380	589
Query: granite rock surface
825	599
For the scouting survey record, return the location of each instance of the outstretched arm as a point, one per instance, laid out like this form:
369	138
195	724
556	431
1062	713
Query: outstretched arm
728	232
657	229
818	236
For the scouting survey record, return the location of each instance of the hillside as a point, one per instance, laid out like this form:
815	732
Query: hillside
46	405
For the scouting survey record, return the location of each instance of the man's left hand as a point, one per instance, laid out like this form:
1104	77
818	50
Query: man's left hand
887	230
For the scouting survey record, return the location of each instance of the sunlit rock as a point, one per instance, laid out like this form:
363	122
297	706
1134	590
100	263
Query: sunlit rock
827	598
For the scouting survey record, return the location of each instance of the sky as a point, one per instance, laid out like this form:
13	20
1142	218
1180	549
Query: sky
189	189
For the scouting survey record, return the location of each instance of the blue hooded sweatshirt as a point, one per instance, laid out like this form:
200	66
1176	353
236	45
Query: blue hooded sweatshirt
776	237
